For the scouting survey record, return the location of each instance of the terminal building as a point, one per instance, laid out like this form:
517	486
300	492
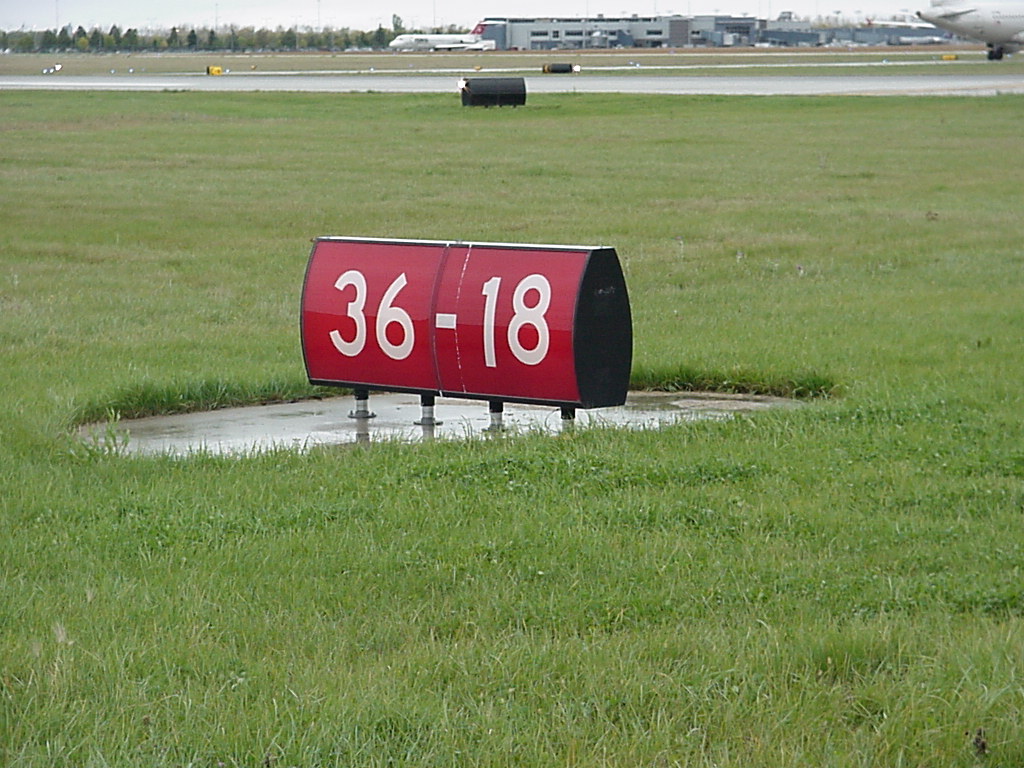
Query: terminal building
675	31
577	33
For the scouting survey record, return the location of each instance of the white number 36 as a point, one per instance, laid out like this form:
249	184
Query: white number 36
387	314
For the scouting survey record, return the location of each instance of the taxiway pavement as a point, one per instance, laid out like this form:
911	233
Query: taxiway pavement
980	83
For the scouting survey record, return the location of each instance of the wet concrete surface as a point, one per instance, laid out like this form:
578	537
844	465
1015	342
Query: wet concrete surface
308	424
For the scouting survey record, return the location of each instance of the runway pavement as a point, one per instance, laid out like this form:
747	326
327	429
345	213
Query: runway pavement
980	83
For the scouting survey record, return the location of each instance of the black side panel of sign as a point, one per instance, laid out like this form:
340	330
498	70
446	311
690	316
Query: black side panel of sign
603	342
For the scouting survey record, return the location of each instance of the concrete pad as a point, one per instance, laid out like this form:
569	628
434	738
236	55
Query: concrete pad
310	423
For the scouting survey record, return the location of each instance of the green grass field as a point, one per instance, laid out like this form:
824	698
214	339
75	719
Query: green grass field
882	61
836	585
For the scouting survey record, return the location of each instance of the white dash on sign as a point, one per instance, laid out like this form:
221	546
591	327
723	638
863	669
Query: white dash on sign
445	320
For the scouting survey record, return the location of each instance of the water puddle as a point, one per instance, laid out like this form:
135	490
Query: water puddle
397	417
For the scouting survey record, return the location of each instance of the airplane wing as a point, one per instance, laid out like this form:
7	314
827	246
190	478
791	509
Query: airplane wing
951	15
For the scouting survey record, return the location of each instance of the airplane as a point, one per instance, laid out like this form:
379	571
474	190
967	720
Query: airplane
997	23
416	41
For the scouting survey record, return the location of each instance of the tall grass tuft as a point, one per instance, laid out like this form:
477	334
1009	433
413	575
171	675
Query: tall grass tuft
685	378
149	398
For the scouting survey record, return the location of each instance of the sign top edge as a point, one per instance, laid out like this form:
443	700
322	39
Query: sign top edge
462	243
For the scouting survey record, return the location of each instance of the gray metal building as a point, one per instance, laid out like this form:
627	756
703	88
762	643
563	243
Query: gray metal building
723	31
542	34
562	33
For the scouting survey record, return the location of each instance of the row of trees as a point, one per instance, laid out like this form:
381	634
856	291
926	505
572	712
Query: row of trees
202	39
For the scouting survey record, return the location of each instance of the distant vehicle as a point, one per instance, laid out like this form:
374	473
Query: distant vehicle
997	23
415	41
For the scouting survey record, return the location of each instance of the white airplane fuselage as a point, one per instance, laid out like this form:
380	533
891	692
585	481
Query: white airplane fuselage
998	24
428	42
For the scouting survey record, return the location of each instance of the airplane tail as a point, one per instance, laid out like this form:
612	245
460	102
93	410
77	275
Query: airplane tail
479	28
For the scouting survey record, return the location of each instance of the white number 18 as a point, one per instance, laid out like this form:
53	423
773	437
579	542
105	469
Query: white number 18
524	315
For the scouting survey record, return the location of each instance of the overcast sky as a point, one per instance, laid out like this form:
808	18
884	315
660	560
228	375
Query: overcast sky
368	14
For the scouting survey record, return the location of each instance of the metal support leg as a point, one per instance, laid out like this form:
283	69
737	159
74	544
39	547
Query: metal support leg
497	411
568	419
427	412
362	409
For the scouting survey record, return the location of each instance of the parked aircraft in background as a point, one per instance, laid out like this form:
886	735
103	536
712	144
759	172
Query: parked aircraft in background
997	23
415	41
